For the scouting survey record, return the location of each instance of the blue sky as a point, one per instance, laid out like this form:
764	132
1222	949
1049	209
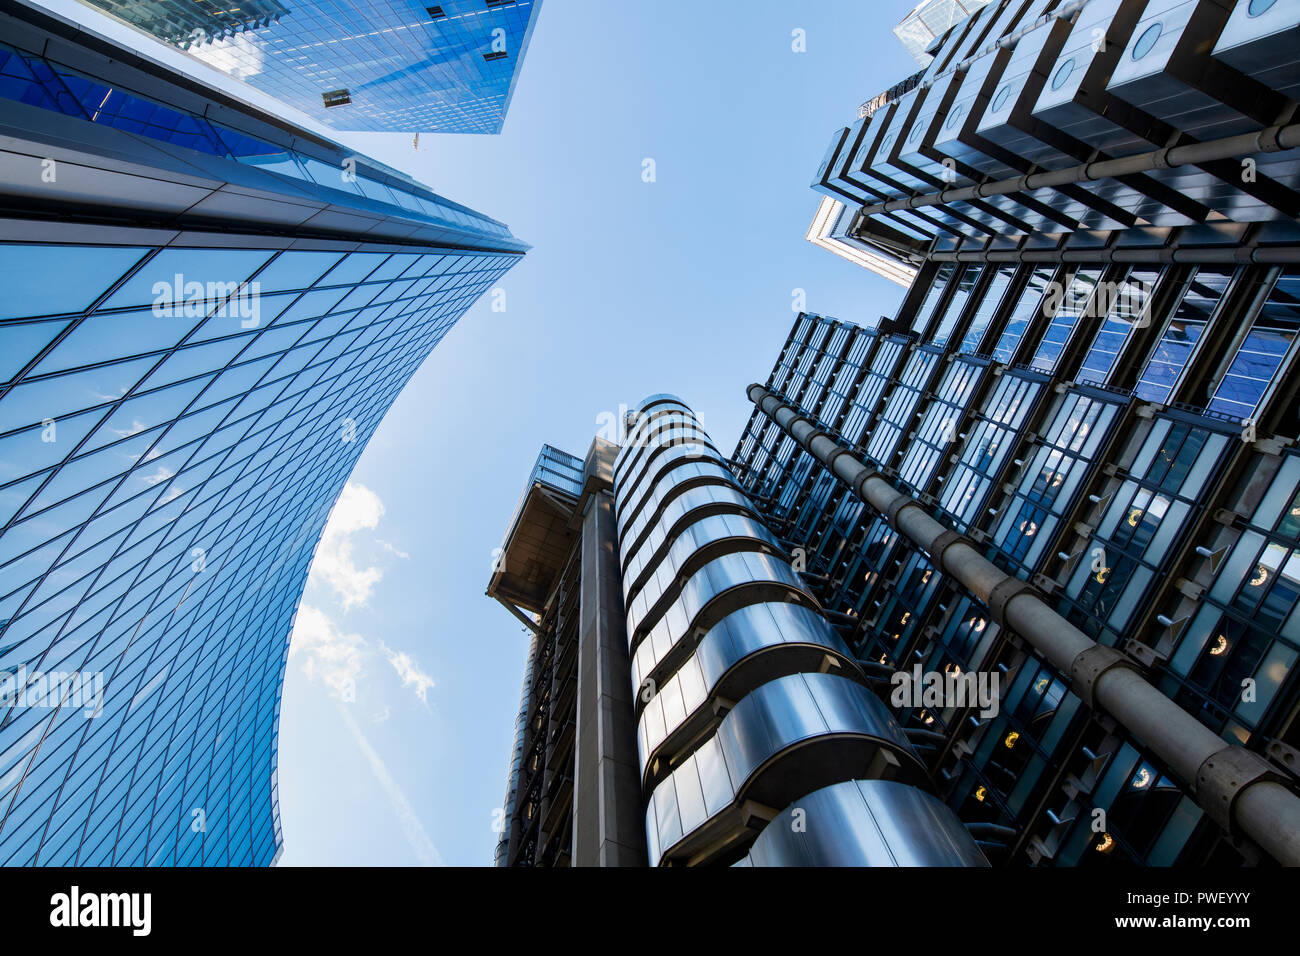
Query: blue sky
680	285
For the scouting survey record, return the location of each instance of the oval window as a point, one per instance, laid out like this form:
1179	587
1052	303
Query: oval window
1063	74
1147	40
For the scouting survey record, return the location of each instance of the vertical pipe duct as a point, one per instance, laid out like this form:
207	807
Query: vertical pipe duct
512	786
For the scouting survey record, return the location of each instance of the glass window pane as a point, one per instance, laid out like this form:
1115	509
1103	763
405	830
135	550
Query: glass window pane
52	280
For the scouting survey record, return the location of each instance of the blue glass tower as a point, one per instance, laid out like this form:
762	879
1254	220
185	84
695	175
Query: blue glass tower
382	65
205	315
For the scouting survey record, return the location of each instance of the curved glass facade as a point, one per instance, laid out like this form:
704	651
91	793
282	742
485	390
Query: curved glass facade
34	80
179	411
163	482
383	65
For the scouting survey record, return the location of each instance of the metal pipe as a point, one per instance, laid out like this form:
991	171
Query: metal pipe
1270	140
993	832
1237	788
1247	254
512	783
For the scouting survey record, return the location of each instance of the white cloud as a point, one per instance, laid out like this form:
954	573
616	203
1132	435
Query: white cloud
392	549
358	509
409	671
136	428
158	477
326	653
337	659
412	829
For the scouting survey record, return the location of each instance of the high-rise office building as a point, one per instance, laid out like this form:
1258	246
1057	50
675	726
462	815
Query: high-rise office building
1095	131
1093	379
686	701
205	314
394	65
1065	470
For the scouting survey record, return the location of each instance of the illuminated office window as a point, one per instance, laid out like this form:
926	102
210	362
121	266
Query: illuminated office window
988	443
1249	627
937	434
1136	534
1053	474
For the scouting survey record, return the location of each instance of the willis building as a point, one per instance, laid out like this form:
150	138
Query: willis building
206	312
1063	474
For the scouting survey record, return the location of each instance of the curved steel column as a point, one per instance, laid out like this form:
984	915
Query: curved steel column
866	823
748	700
786	738
713	536
749	647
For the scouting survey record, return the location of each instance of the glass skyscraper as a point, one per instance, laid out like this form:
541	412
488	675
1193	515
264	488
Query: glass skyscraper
1069	457
205	314
1065	470
393	65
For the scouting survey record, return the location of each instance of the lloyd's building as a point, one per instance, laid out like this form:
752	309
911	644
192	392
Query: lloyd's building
1068	460
205	311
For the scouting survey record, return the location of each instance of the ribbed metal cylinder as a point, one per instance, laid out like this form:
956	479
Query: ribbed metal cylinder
749	704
